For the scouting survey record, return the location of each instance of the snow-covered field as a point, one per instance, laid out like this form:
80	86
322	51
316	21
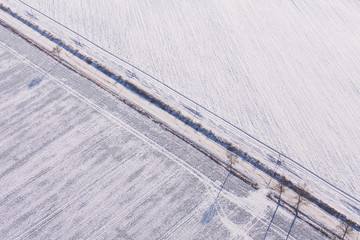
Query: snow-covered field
286	72
76	163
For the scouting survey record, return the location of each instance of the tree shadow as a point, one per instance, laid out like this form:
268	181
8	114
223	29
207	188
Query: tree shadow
31	15
77	42
209	214
36	81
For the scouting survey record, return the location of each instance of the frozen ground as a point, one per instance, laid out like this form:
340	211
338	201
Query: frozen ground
287	72
78	163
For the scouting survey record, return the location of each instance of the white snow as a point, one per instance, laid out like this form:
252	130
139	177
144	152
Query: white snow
78	163
286	72
291	87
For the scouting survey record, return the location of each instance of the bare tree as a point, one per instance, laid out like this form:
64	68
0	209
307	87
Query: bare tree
278	163
346	228
56	50
232	158
280	188
300	200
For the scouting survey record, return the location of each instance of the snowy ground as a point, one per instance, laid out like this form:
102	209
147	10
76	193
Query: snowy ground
284	71
76	162
295	42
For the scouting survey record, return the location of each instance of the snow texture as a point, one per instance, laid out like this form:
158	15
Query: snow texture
78	163
286	72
